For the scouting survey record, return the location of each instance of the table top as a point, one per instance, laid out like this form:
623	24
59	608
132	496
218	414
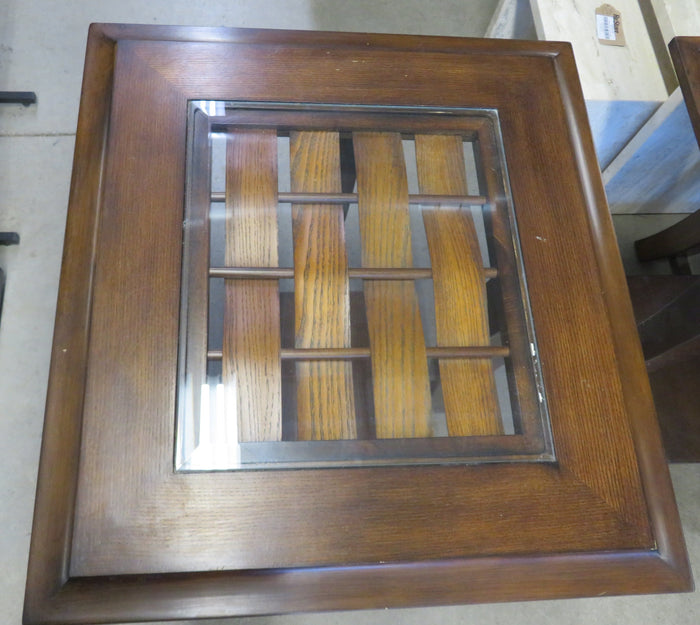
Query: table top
473	515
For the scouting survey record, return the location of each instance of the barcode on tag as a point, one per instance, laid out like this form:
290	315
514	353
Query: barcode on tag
605	25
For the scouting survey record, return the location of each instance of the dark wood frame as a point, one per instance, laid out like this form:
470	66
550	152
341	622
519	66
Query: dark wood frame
119	535
685	52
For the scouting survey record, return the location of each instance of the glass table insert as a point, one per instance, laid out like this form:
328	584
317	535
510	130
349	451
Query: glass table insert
352	291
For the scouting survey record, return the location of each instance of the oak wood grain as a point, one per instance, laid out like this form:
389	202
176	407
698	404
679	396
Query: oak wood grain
637	402
325	399
57	486
435	583
251	344
399	361
468	388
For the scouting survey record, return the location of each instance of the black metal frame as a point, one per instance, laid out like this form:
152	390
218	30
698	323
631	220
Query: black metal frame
18	97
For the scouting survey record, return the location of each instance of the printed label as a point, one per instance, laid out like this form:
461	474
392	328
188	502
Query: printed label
608	23
605	24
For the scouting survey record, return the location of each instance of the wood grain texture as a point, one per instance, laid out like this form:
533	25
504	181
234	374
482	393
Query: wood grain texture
461	317
564	298
453	582
57	487
251	344
650	467
399	362
325	399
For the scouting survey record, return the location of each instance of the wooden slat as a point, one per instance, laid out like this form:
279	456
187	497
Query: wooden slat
251	360
325	402
461	318
399	361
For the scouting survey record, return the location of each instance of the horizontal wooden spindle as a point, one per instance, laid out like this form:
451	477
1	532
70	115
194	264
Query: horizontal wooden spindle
351	353
364	273
344	198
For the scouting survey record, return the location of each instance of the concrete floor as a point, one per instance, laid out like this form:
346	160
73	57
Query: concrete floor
41	49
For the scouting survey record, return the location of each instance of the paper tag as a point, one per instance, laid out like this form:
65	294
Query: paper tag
608	22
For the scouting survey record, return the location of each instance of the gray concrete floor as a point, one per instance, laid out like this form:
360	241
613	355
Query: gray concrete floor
41	49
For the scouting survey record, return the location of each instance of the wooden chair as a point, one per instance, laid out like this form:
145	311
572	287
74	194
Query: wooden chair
667	308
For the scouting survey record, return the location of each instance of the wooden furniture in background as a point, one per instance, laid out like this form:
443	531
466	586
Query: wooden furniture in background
683	238
673	243
667	308
119	534
667	311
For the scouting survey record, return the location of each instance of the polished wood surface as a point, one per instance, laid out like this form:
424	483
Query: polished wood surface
325	399
251	344
468	388
399	361
54	509
118	535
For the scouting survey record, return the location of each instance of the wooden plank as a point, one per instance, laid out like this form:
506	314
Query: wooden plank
251	361
658	170
399	362
349	198
468	387
685	52
631	72
325	402
512	19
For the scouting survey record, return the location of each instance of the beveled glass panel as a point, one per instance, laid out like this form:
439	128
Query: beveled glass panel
352	292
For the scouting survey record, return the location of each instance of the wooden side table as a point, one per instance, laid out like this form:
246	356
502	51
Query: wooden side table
254	405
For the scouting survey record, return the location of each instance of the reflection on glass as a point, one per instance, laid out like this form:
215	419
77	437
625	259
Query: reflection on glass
344	277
